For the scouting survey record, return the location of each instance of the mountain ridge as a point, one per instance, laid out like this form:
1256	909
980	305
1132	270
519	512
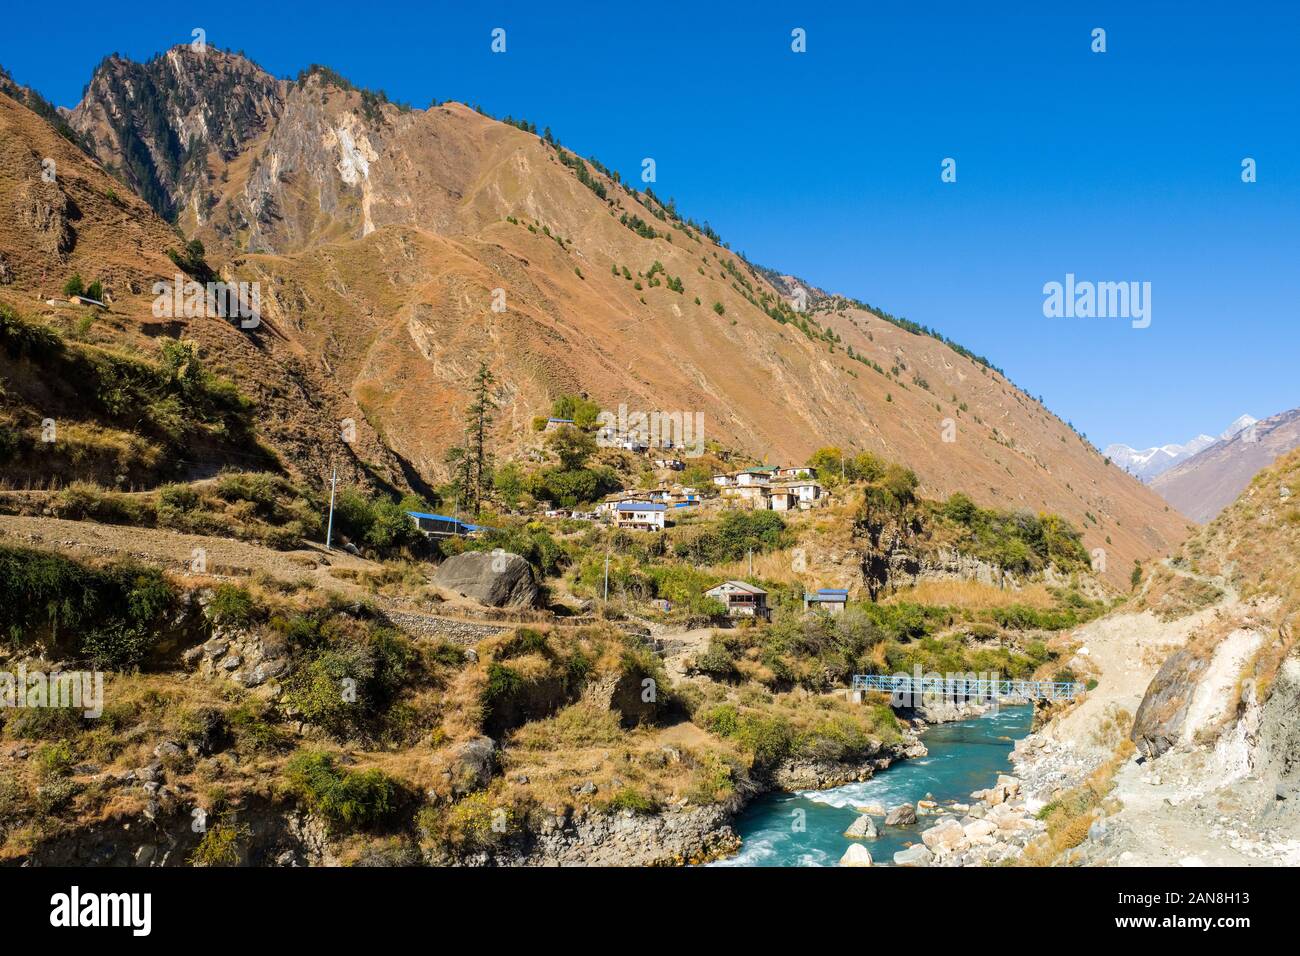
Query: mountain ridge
378	235
1204	484
1147	463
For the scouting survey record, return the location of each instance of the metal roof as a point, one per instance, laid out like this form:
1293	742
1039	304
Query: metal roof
738	586
431	517
640	506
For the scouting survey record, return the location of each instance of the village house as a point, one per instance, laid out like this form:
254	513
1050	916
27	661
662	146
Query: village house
830	600
553	424
755	476
634	443
754	496
609	506
783	499
741	599
806	490
441	526
723	480
671	464
640	515
794	471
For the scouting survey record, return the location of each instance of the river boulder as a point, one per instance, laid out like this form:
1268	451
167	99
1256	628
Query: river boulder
863	828
903	815
856	855
946	835
916	855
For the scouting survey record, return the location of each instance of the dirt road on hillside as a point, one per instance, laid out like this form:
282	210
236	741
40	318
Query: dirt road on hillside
1127	650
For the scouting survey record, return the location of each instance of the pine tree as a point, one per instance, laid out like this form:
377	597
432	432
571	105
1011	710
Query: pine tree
478	468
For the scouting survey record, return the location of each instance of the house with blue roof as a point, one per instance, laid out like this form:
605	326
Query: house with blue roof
640	515
830	600
442	526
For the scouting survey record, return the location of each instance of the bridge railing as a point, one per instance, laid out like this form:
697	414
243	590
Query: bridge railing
956	687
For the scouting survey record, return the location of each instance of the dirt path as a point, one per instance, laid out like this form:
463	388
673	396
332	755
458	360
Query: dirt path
680	646
1127	650
227	558
1191	807
223	557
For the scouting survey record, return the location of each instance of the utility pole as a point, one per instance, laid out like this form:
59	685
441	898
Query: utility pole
329	528
607	541
750	555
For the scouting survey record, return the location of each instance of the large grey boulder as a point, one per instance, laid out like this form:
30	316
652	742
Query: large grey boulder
471	765
915	855
1158	723
903	815
863	828
494	578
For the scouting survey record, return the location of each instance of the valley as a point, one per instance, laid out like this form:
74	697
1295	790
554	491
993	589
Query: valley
386	574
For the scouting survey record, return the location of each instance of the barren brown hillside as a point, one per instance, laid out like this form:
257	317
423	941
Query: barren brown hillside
379	234
85	222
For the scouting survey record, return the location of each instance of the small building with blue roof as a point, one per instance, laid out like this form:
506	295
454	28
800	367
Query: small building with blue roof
830	600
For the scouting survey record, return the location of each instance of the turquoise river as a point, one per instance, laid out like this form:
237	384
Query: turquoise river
964	755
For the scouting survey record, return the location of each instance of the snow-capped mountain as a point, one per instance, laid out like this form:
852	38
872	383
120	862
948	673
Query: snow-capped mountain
1240	424
1146	463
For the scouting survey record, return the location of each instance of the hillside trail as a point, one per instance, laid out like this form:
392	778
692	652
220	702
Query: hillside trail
224	558
679	646
1188	807
1127	650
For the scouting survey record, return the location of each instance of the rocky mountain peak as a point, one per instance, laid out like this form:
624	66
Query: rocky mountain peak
168	127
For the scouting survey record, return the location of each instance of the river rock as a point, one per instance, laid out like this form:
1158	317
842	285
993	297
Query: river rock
901	816
979	828
862	829
945	835
875	809
916	855
856	855
496	579
1010	785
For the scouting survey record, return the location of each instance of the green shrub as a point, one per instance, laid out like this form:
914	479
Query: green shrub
110	616
346	799
55	759
221	845
231	606
634	800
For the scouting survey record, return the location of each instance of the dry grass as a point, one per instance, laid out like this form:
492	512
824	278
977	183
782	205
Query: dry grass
776	566
972	594
1069	815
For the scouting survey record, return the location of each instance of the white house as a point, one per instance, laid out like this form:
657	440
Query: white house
805	490
640	515
794	471
741	599
755	476
783	499
723	481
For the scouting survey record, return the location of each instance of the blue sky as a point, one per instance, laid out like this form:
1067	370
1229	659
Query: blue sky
1122	166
